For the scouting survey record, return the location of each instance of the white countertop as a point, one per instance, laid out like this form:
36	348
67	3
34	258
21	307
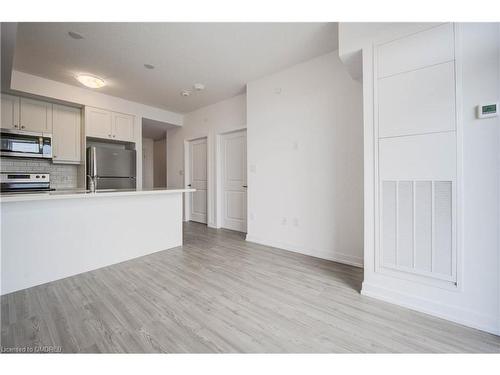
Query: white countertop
85	194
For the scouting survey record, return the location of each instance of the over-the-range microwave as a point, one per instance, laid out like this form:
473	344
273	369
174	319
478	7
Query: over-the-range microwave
25	144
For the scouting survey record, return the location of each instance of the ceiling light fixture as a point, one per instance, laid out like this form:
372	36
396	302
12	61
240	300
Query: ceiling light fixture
149	66
90	81
75	35
199	86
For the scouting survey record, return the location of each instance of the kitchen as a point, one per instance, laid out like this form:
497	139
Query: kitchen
75	168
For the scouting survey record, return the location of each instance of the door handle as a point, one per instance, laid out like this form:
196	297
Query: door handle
245	186
189	185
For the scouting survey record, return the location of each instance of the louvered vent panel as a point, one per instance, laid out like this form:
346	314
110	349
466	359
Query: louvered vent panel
417	227
442	259
423	225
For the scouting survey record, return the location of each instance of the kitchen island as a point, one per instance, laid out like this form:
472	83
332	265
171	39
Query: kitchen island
52	235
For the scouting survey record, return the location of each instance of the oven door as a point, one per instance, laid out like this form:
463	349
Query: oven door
25	144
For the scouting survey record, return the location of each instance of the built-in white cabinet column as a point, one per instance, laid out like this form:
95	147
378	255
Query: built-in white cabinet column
416	156
10	112
35	115
66	135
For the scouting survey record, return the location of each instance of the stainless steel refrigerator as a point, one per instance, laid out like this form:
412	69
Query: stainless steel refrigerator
111	168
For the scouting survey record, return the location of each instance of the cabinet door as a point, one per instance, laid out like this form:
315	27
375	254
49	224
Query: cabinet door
123	127
10	112
98	123
66	128
35	116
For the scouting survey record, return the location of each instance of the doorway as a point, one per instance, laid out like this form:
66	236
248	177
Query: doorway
196	178
154	154
233	180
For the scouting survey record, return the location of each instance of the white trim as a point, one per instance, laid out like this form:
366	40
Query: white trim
449	312
187	169
459	180
317	253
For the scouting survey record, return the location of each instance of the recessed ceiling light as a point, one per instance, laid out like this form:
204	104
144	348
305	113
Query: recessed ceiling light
75	35
199	86
90	81
185	92
149	66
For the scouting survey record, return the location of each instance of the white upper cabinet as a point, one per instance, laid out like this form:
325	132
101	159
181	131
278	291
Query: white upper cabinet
66	134
100	123
35	116
123	127
10	112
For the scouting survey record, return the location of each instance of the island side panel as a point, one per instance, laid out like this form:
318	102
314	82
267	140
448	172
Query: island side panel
47	240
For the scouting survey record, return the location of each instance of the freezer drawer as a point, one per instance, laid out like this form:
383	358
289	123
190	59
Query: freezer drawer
110	162
115	183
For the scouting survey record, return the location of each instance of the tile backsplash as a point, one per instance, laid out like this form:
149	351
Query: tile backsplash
62	176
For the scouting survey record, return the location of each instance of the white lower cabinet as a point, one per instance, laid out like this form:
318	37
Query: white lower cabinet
66	135
100	123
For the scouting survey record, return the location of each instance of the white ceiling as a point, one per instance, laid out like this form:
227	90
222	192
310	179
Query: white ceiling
223	56
155	129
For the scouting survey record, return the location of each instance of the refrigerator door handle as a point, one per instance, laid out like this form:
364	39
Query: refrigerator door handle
94	161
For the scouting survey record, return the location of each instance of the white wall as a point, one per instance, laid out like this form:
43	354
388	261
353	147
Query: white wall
477	302
305	158
207	122
147	163
160	163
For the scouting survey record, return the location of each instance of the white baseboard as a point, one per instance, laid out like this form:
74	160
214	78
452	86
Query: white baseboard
328	255
457	315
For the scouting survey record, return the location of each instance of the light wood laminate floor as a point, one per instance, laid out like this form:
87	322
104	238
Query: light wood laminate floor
218	293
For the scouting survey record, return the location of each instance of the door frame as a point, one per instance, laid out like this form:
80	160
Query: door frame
187	171
218	174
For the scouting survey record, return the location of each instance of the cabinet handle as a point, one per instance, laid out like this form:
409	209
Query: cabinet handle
114	135
22	126
109	135
16	126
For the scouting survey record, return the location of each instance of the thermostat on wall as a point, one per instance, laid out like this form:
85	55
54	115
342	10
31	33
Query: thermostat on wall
487	110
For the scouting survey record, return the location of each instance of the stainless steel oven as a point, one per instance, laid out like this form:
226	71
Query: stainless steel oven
15	182
24	144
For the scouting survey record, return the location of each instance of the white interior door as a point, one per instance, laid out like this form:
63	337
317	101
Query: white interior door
234	181
198	179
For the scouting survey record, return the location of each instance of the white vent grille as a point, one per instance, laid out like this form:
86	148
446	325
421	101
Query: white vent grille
416	233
